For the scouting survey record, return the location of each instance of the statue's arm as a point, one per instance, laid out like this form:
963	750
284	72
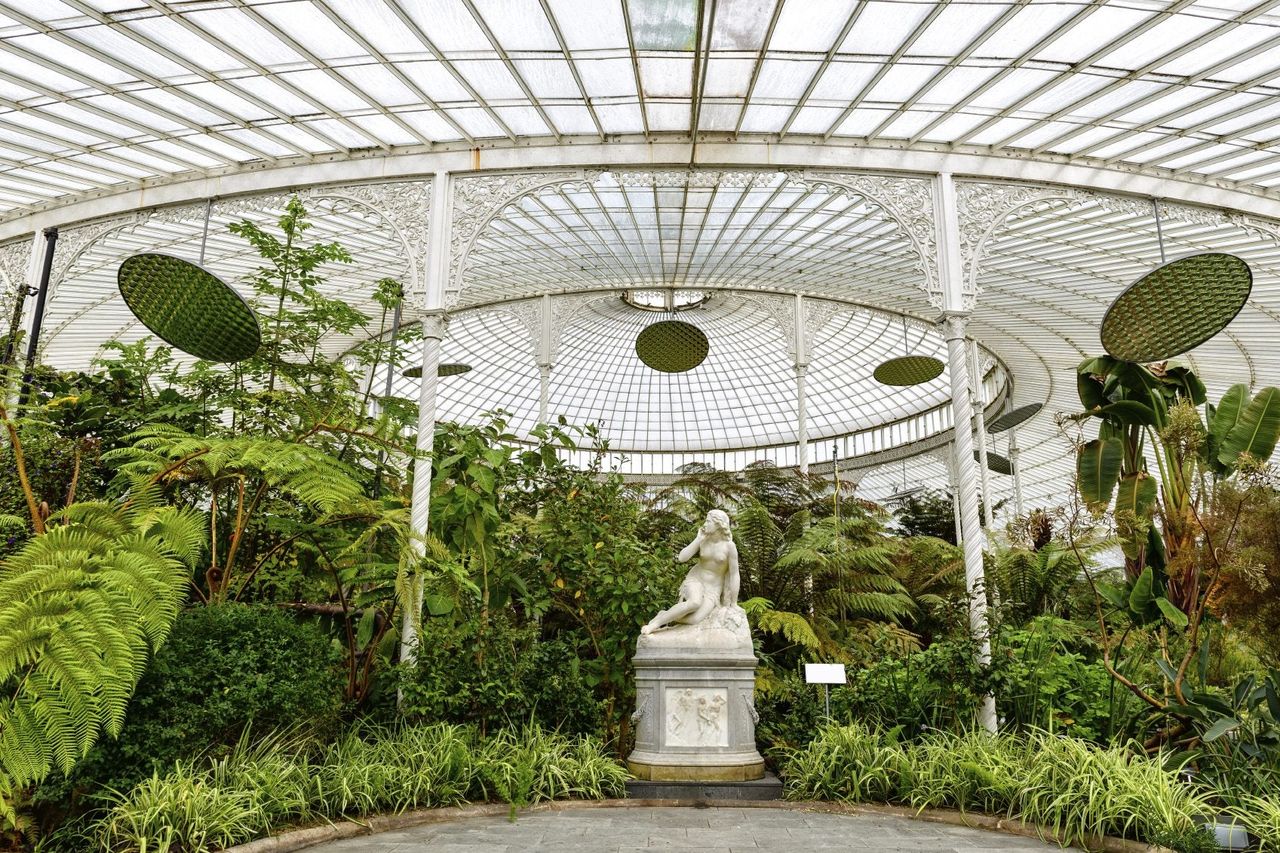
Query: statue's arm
691	550
732	579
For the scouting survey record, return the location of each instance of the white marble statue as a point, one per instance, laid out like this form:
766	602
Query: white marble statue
712	582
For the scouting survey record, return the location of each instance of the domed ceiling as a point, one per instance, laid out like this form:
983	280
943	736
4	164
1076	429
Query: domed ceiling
737	407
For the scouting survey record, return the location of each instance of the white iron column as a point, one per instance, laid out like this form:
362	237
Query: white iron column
434	322
1016	464
980	430
545	359
950	458
955	321
802	424
802	368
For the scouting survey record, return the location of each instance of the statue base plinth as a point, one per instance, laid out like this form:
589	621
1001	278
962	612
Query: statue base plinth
695	702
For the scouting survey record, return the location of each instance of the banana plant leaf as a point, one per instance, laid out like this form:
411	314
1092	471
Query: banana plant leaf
1228	411
1255	432
1137	493
1098	466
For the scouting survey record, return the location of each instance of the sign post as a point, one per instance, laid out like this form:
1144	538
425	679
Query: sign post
825	674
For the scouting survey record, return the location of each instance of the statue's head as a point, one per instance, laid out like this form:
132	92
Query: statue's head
717	522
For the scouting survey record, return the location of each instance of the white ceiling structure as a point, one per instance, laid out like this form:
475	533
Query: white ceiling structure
684	144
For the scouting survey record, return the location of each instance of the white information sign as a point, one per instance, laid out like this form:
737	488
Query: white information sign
824	673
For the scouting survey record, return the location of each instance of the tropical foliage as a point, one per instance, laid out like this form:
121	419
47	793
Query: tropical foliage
86	602
202	806
1077	791
329	661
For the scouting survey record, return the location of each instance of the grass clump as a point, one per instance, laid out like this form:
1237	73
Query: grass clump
1077	790
1260	815
262	788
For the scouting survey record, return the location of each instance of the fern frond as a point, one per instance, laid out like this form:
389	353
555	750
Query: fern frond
81	608
793	626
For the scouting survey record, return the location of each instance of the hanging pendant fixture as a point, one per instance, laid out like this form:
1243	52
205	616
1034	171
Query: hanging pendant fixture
995	462
672	346
445	369
189	307
1011	419
1177	306
908	369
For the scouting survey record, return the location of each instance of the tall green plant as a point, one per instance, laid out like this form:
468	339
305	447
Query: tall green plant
1175	522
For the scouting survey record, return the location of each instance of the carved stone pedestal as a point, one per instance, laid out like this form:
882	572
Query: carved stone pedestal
695	711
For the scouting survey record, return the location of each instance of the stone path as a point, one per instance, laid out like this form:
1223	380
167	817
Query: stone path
709	830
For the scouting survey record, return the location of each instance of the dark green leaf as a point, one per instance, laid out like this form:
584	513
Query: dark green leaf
438	605
1141	596
1256	431
1090	391
1130	412
1136	493
1171	612
1098	465
1228	411
1167	669
364	632
1220	728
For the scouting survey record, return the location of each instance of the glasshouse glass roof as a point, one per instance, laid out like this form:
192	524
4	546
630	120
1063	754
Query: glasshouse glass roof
719	157
112	93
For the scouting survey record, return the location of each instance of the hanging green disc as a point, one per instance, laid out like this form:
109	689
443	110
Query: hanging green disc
1176	307
908	370
189	307
996	462
672	346
1012	418
446	369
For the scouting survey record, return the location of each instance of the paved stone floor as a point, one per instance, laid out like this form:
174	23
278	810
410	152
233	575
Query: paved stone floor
711	830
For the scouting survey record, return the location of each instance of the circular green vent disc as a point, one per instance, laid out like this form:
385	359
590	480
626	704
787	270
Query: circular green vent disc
446	369
189	307
908	370
672	346
1176	307
1011	419
996	462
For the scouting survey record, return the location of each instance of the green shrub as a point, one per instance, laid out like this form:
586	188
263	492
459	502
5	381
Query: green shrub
1073	787
1045	678
500	676
266	788
225	667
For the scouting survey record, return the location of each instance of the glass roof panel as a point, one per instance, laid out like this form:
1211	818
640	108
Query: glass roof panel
228	86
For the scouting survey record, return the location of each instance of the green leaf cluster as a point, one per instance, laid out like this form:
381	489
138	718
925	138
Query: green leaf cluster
85	605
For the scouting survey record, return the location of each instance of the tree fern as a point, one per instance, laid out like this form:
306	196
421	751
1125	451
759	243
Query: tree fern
1033	583
165	454
81	608
794	627
851	563
234	475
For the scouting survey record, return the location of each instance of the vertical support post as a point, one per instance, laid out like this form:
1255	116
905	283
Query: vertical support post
434	322
801	356
980	429
546	362
953	480
802	423
544	392
955	321
1016	464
